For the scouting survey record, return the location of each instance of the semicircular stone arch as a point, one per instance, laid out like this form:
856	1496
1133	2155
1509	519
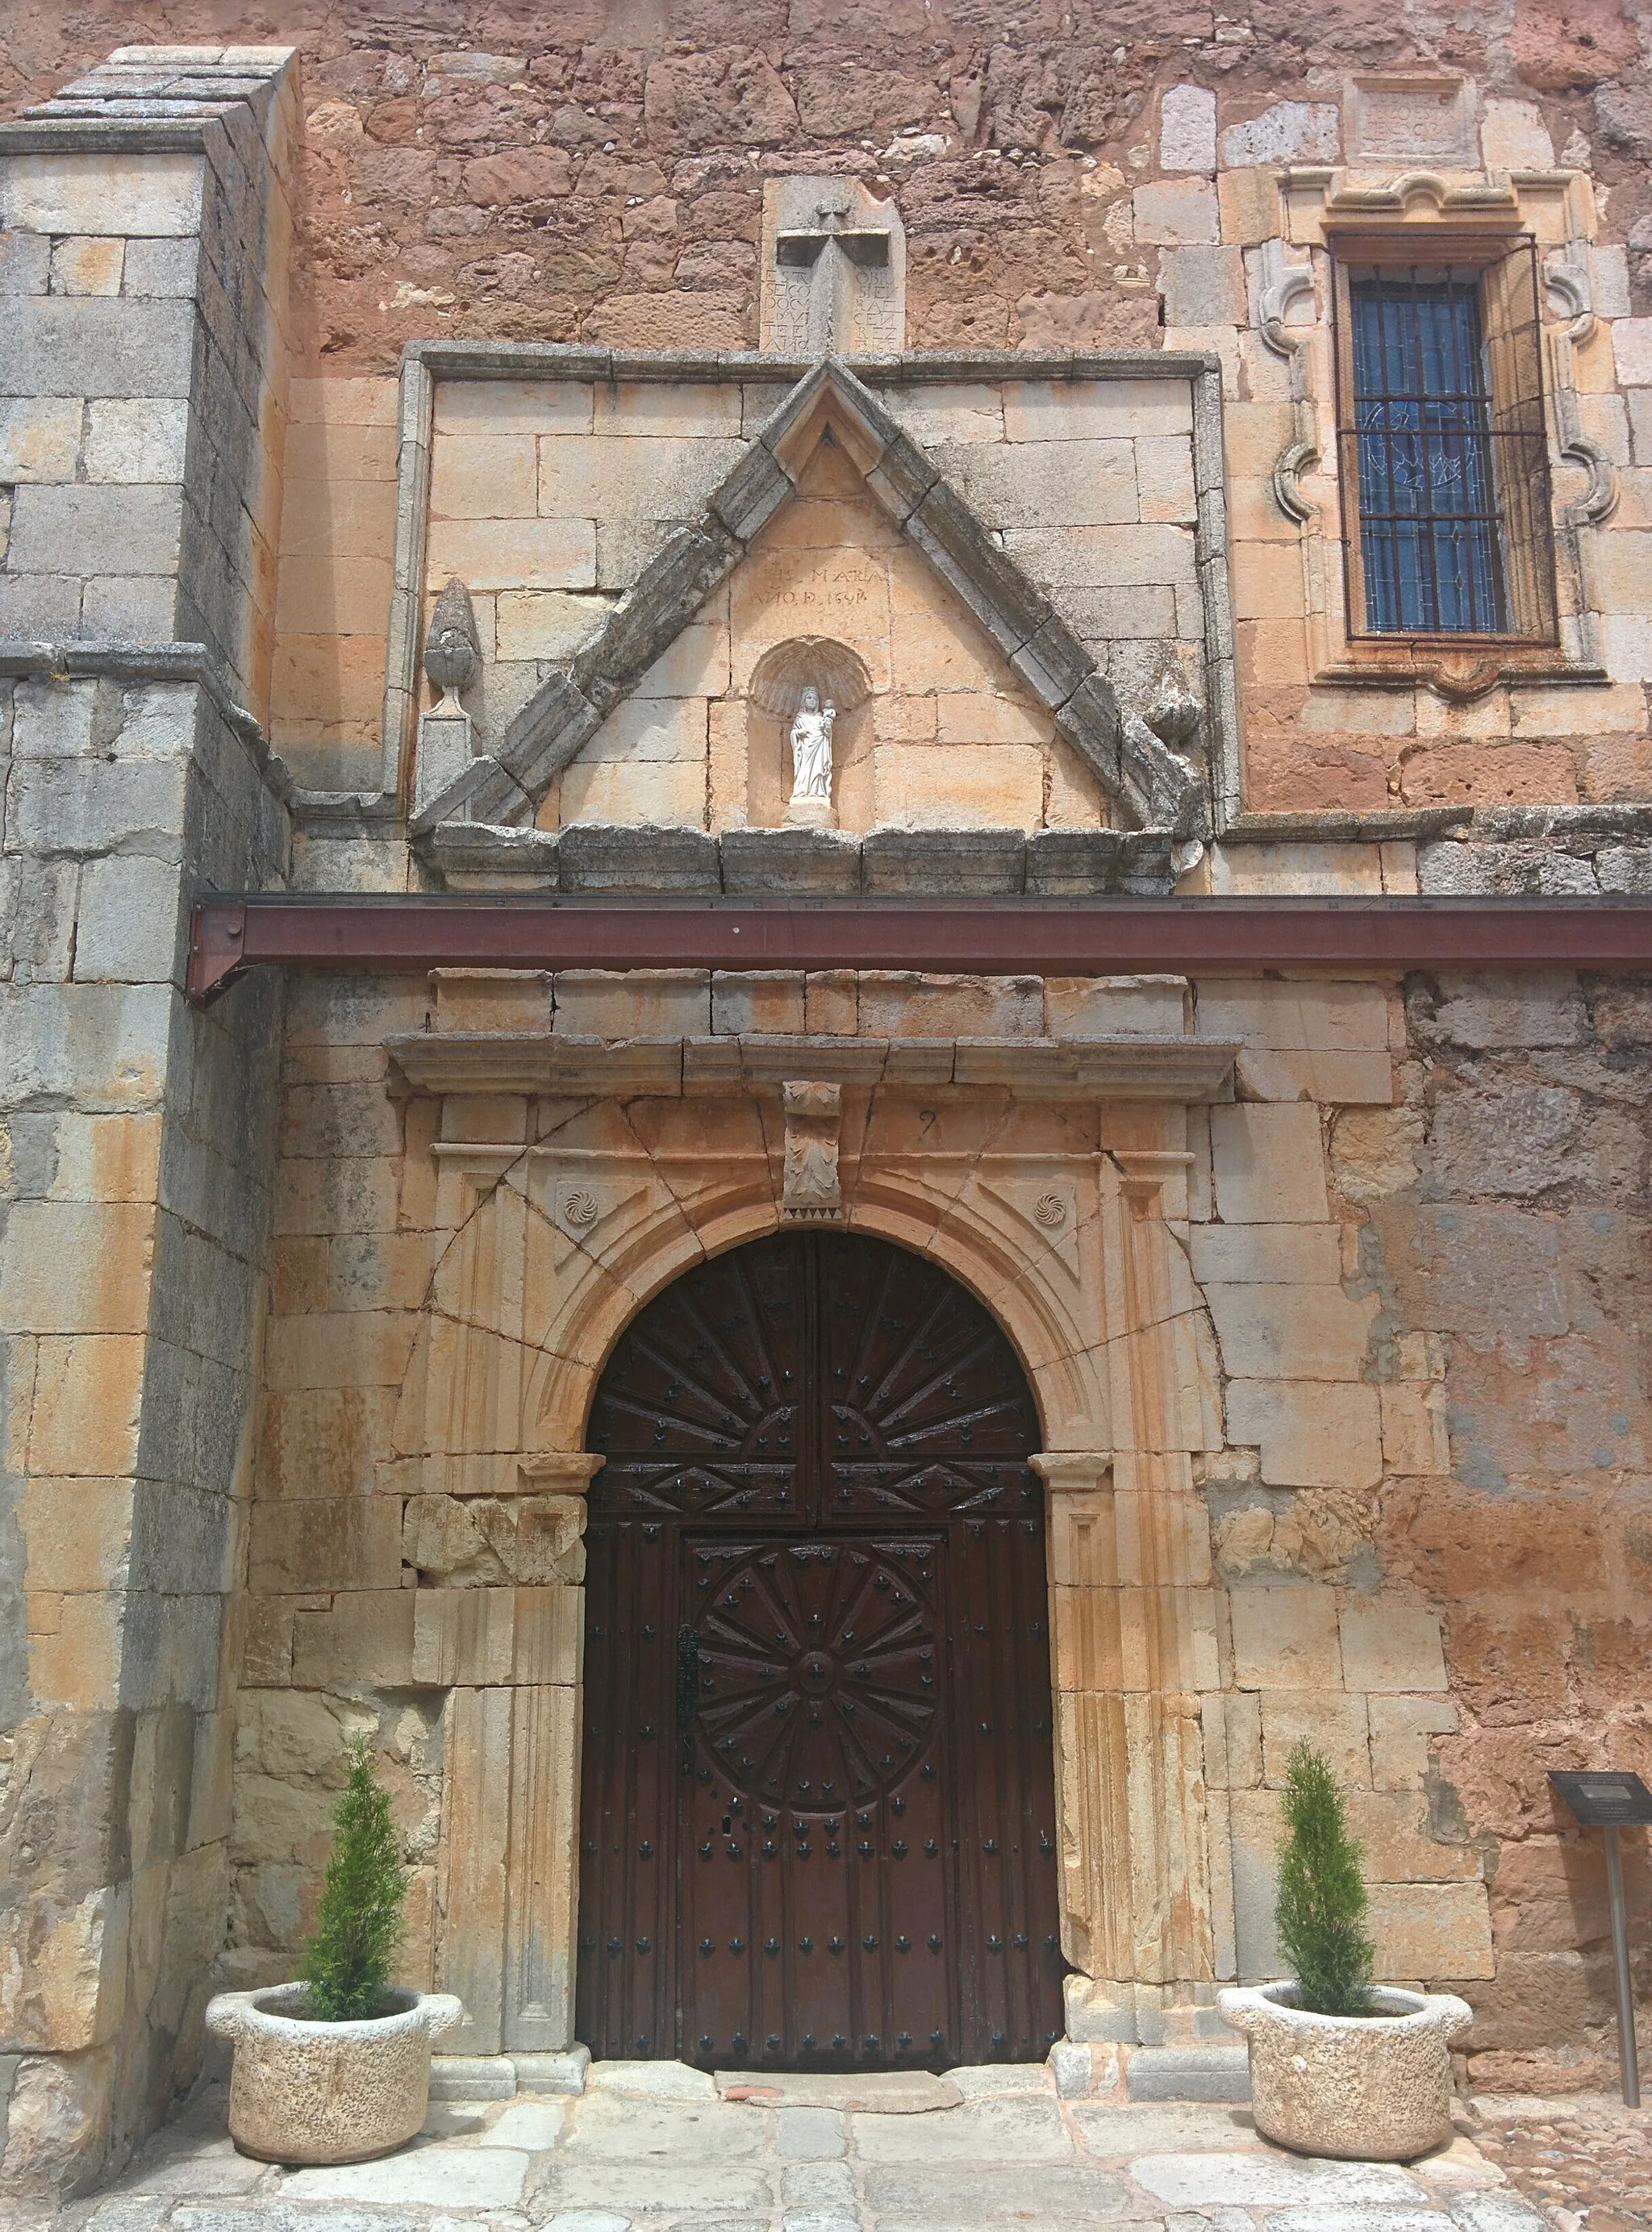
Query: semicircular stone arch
1054	1341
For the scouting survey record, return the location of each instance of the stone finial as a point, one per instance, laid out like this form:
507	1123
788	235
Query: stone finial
810	1193
452	653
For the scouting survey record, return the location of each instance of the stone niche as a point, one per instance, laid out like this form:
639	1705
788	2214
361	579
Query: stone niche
840	677
944	733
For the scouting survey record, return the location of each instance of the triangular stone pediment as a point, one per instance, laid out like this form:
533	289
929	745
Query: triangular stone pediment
830	409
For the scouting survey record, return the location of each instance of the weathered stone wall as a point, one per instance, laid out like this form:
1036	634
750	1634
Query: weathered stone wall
135	1133
1413	1239
1096	181
135	1207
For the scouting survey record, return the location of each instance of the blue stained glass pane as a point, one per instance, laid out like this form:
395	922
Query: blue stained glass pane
1423	444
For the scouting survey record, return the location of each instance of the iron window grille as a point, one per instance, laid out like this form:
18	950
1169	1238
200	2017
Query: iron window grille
1441	441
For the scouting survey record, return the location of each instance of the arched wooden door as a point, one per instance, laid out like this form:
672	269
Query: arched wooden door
818	1814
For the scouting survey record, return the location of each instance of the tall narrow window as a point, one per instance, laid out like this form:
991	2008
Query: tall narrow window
1443	456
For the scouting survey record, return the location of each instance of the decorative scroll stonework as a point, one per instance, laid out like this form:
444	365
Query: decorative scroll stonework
810	1191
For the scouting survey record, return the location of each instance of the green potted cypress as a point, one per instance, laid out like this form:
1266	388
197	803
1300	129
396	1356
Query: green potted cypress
1340	2066
336	2067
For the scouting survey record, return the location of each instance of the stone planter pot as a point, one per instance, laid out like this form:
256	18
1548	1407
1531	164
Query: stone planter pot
1363	2087
305	2091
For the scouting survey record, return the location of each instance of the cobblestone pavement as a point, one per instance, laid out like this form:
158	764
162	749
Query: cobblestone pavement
675	2157
1589	2160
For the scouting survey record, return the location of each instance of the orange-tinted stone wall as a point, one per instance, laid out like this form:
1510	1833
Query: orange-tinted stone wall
593	171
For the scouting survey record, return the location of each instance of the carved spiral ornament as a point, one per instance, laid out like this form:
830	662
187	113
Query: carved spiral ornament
580	1206
1050	1210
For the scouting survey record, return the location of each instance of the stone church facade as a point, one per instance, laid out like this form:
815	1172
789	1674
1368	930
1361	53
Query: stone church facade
454	1061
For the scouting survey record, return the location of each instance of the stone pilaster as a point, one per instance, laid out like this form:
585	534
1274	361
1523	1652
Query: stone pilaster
1134	1621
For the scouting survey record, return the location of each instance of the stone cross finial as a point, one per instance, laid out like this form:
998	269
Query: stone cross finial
834	269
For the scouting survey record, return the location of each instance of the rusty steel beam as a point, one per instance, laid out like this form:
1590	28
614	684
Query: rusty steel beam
1002	937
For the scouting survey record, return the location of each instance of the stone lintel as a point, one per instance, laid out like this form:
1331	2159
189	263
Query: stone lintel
1179	1070
491	360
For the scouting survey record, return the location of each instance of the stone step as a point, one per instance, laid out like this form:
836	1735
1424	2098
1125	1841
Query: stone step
472	2076
1188	2072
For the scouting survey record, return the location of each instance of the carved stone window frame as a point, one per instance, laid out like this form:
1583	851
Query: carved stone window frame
1345	211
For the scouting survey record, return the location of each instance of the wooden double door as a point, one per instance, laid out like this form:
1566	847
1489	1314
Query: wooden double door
817	1809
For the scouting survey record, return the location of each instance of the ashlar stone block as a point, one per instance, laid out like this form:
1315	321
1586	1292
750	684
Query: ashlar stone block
352	1543
87	266
1286	1638
1187	129
1171	212
366	1637
87	1394
1268	1164
157	196
127	923
136	439
1416	1438
604	1003
1332	1723
1310	1434
1400	1728
1263	1254
1388	1646
39	438
1296	1332
1431	1931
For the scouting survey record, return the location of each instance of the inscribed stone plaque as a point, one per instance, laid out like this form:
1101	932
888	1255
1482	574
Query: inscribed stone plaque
833	269
1411	116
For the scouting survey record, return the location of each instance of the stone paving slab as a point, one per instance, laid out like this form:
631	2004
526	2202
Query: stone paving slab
435	2173
608	2128
654	2149
1268	2180
938	2195
1162	2128
1016	2131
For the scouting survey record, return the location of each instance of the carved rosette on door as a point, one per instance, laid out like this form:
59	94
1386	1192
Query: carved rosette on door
819	1802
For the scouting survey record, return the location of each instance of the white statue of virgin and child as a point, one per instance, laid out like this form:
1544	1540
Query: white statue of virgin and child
812	746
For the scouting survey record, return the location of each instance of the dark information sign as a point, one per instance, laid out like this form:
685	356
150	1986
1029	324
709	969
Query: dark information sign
1605	1798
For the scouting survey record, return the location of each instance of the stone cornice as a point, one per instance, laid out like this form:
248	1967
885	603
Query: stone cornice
546	1063
484	360
23	660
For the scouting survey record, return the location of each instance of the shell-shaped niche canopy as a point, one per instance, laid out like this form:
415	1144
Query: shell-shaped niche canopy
786	670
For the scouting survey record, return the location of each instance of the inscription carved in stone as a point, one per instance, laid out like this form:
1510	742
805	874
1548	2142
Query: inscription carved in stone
834	269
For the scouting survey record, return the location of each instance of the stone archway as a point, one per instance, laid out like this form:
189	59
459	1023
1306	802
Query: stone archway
1074	1248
